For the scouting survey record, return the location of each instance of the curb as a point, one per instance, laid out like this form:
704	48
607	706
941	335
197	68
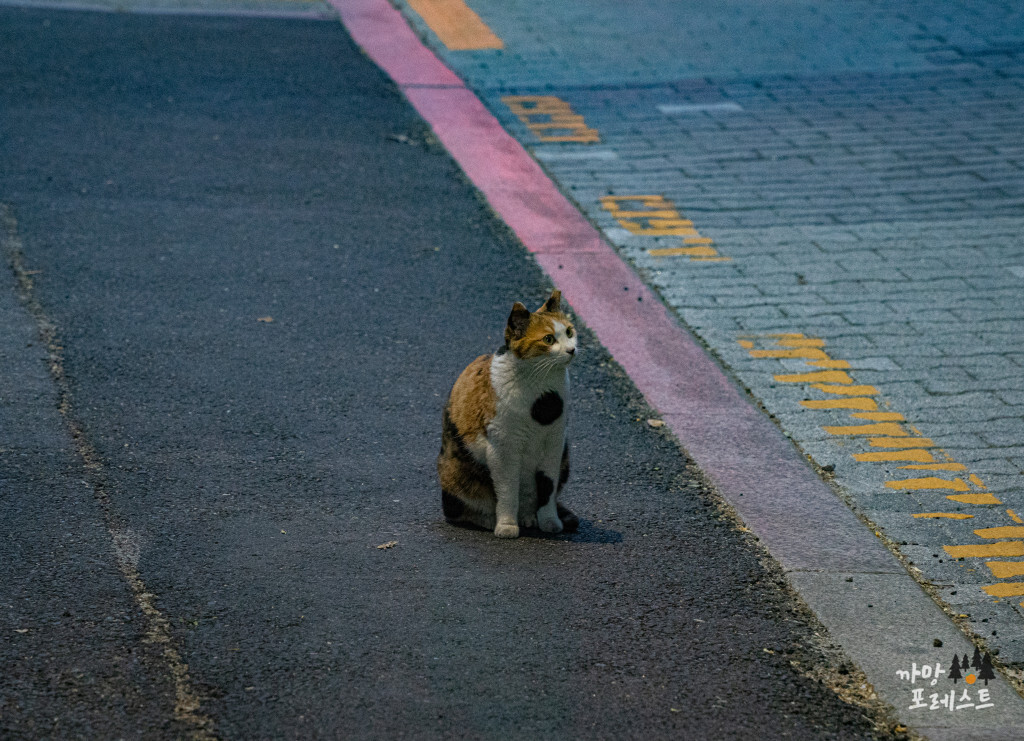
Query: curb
882	618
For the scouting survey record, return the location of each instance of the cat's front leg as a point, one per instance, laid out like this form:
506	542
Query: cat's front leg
547	504
505	475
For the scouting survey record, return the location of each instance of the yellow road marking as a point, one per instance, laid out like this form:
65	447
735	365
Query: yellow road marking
1006	569
544	114
937	467
983	498
798	340
1006	531
1009	589
929	482
907	445
692	252
901	442
823	377
888	456
879	428
807	353
987	550
458	27
846	390
657	216
838	364
856	403
880	416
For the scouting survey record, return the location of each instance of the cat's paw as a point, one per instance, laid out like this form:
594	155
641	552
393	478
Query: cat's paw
528	521
506	530
551	525
570	522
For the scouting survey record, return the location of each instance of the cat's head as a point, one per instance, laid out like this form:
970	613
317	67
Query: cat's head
547	335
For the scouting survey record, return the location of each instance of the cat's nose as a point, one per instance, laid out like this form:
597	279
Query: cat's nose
571	351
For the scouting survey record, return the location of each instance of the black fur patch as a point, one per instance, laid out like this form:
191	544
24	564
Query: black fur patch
472	467
451	432
570	522
563	469
547	408
544	489
451	505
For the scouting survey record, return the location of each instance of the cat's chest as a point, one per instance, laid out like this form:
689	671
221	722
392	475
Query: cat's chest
530	407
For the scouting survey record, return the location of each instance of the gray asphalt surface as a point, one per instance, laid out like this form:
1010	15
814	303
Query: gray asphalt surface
263	277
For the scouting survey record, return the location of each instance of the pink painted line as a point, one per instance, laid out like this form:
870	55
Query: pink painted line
756	469
383	34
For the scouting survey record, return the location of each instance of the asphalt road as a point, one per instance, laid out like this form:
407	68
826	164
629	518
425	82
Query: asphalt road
262	276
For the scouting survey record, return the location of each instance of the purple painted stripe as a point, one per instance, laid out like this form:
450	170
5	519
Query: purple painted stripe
385	36
802	522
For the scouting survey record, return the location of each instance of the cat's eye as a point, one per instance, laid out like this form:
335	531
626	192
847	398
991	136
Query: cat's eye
549	339
568	332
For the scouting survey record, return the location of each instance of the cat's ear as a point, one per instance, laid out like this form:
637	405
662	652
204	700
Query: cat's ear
518	322
554	302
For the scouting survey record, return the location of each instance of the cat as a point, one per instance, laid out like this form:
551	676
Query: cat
503	441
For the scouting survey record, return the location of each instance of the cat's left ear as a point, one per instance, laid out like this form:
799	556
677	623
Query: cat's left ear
554	302
518	322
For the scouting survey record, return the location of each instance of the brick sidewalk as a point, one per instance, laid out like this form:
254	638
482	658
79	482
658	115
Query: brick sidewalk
848	175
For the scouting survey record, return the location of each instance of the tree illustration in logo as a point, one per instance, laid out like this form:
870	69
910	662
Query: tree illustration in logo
965	665
986	672
954	669
976	659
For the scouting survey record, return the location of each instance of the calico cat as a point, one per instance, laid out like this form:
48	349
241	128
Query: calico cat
503	444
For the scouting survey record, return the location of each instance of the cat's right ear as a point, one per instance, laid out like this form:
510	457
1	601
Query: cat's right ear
518	322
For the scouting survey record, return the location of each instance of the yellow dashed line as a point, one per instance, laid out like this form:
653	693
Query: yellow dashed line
807	353
456	25
1006	569
551	119
906	444
858	403
987	550
798	340
846	390
929	482
691	252
816	377
1008	589
880	416
881	428
983	498
893	456
657	216
1006	531
901	442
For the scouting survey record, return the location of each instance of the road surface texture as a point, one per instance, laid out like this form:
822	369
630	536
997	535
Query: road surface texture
243	278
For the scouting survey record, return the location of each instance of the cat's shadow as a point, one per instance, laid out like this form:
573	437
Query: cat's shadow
588	532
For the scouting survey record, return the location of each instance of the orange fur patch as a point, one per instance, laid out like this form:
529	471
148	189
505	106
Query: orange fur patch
472	400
